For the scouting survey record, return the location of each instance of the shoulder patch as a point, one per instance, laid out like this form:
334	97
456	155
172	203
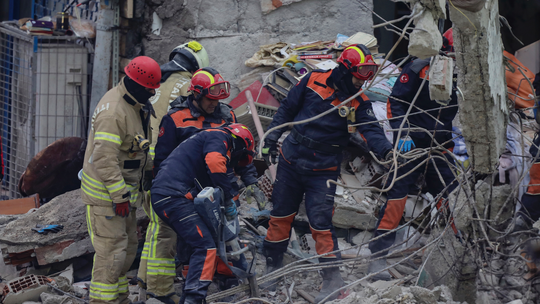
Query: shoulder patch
161	131
404	78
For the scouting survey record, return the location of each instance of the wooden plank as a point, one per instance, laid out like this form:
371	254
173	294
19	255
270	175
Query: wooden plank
20	205
395	273
306	296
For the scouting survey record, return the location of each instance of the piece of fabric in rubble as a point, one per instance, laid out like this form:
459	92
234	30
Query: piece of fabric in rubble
269	55
460	149
382	88
511	160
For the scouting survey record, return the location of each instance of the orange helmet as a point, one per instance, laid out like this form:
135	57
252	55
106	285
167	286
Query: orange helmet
208	82
144	71
245	153
358	60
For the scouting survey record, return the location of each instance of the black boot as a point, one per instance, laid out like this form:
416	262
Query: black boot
273	262
332	281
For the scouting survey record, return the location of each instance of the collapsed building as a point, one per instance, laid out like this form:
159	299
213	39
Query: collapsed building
490	262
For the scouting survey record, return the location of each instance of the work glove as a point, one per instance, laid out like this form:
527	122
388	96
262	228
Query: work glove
253	191
121	209
44	229
230	211
406	144
270	152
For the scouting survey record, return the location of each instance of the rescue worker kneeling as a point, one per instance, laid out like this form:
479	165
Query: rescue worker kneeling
200	161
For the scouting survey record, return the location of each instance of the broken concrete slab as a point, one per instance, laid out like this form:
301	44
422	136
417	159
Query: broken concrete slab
350	218
49	298
426	40
72	241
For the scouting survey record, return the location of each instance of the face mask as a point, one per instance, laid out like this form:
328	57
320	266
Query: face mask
137	91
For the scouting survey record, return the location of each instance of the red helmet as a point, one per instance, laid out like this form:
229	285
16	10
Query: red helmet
208	82
448	44
144	71
358	60
246	152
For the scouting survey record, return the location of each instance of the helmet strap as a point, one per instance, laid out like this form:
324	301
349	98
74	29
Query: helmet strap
197	102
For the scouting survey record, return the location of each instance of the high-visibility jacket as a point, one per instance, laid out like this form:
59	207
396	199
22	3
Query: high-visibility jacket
175	86
114	165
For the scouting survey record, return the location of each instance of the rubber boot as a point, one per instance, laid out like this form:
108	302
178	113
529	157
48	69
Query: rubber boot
377	266
273	262
191	300
332	281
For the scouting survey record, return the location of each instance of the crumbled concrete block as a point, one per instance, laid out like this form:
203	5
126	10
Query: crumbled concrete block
347	218
423	295
362	238
426	40
392	292
47	298
443	292
441	73
438	7
515	302
488	279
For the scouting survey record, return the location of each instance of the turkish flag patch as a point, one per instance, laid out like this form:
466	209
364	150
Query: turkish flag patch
161	131
404	78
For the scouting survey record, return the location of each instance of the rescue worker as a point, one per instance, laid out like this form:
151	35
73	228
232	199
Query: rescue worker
530	203
157	267
115	161
200	161
201	109
311	155
403	93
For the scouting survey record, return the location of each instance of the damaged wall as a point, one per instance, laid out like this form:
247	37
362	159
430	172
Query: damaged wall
232	31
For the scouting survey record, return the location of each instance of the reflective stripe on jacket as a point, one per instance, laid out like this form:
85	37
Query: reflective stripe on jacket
113	164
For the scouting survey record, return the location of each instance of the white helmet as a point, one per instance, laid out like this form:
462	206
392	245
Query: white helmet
194	52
